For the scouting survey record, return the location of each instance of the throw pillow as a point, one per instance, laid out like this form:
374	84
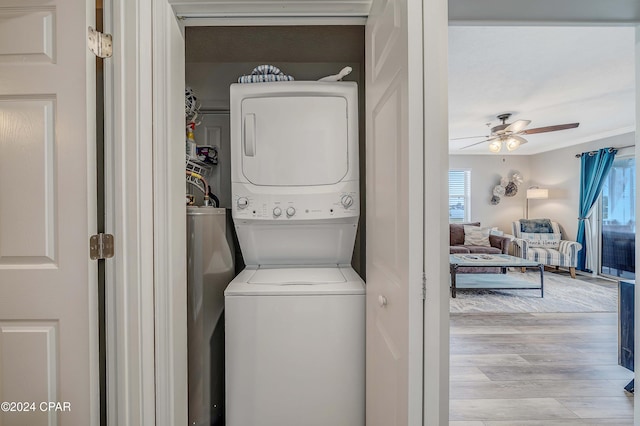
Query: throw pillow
456	233
548	241
496	231
537	226
476	236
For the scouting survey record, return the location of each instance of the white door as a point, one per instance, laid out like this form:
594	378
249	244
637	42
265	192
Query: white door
48	315
394	170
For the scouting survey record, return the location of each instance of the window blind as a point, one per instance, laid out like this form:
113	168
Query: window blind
459	194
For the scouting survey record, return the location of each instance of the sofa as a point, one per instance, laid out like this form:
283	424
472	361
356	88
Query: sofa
498	245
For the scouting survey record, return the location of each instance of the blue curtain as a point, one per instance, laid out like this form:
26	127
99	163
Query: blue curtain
595	166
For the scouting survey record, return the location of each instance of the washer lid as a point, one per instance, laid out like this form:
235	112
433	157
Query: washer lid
310	281
289	276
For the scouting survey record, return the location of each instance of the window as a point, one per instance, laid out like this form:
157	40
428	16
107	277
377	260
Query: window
459	190
618	220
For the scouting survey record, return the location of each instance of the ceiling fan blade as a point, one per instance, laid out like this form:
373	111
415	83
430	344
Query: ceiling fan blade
550	128
517	126
469	137
519	139
477	143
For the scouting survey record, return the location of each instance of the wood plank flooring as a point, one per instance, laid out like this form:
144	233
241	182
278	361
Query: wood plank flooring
537	369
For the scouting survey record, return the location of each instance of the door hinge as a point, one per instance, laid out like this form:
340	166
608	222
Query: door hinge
101	246
424	286
100	44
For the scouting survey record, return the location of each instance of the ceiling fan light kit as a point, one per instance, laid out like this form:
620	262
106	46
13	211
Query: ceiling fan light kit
508	134
512	143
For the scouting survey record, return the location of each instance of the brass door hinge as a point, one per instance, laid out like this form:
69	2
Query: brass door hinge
100	44
101	246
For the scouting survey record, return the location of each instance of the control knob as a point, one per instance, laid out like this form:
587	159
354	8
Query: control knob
290	211
347	201
277	211
242	203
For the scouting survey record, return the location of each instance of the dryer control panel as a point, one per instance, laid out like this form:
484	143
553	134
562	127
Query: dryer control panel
287	207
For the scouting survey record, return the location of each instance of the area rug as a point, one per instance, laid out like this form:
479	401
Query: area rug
561	294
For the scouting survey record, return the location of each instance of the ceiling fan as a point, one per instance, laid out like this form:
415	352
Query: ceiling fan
510	134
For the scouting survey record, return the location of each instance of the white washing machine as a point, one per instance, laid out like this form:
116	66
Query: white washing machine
295	317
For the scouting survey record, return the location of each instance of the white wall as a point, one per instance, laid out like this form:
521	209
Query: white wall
486	171
558	171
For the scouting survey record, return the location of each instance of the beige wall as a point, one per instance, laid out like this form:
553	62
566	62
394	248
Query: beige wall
486	171
557	170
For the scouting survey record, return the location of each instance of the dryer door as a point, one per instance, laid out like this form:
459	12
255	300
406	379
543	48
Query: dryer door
294	140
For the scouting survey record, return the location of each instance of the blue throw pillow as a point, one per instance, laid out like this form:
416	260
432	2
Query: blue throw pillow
537	226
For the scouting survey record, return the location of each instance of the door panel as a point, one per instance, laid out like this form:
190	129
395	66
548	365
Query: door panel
47	212
27	34
30	123
394	216
28	350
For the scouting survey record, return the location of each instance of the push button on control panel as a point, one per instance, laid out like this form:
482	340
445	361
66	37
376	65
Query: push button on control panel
290	211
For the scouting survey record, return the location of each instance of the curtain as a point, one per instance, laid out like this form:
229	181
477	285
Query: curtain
595	166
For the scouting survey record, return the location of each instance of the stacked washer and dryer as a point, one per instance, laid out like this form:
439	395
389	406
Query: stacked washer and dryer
295	316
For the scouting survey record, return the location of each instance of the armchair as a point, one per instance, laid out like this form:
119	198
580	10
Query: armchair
547	248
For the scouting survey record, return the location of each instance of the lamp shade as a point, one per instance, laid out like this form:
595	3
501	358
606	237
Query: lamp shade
495	146
536	193
512	143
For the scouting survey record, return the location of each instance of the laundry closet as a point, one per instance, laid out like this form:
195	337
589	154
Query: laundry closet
215	59
383	42
216	56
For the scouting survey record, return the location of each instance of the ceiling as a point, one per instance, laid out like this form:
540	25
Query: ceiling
549	75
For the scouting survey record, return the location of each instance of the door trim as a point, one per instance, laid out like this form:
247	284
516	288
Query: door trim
170	358
636	406
436	215
129	278
169	216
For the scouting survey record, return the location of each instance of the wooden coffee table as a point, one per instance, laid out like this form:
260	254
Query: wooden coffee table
498	281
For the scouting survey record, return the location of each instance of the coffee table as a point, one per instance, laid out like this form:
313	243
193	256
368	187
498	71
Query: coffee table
498	281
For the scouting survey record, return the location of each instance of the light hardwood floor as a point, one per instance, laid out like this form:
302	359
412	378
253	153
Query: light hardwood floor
537	369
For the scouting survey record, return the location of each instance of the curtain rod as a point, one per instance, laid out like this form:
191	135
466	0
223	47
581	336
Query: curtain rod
611	149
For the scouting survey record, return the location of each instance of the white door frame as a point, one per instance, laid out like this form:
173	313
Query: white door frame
129	215
636	405
436	214
169	225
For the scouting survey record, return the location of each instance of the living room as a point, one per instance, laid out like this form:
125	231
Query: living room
544	77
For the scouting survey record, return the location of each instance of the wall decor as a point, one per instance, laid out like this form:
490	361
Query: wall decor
508	187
